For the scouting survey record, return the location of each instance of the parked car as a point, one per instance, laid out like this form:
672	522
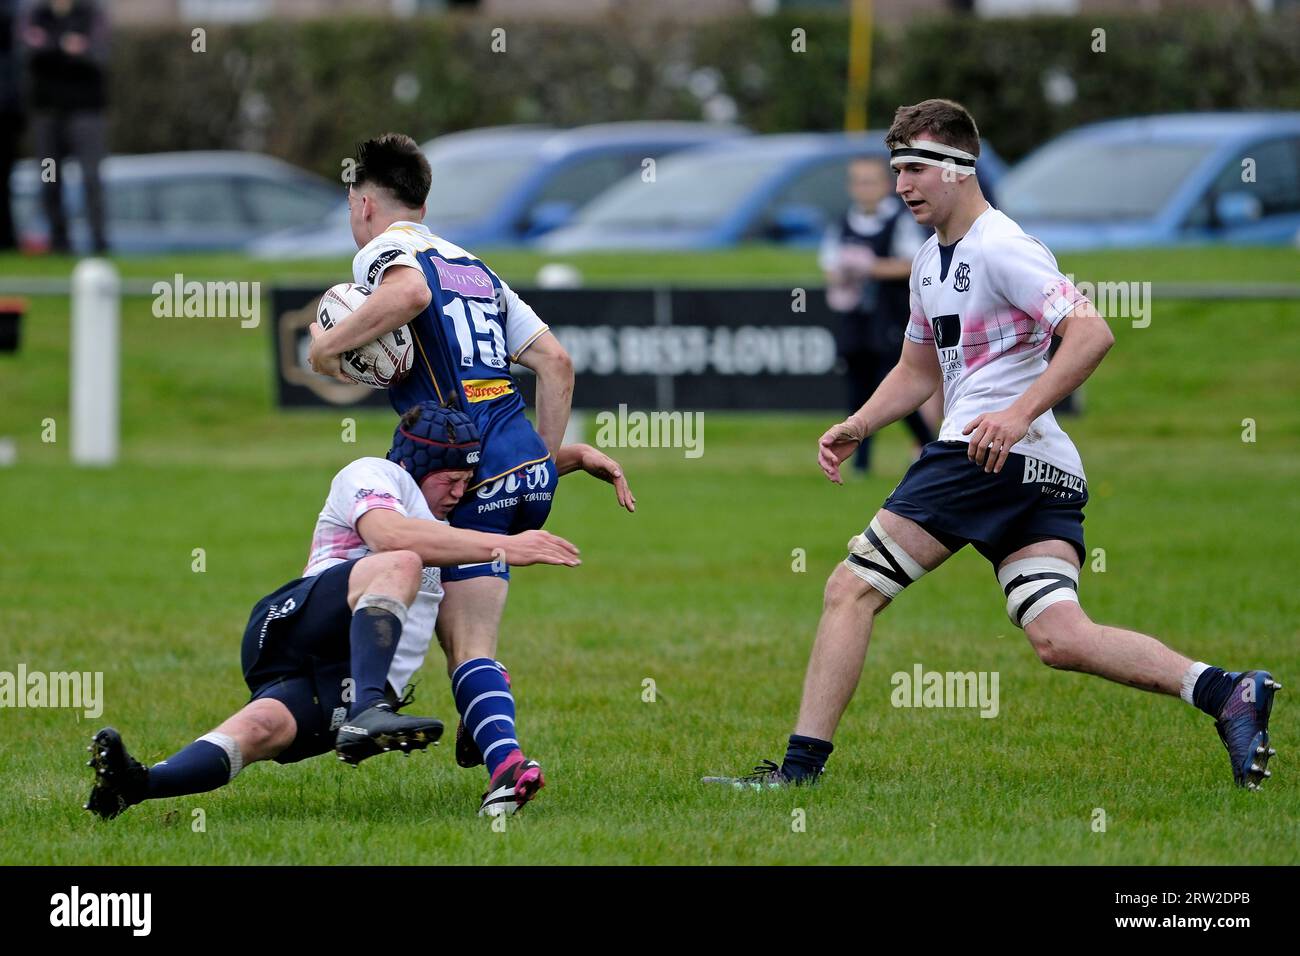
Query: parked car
1162	180
177	202
784	188
506	186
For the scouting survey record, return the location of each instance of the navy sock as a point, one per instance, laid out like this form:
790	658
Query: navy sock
200	767
805	757
373	640
1212	689
483	698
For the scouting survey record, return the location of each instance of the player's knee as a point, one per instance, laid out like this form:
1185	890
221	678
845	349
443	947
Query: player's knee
877	567
844	589
265	725
407	565
404	569
1058	636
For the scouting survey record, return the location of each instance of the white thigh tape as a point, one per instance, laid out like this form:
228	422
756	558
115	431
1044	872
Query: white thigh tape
1032	585
876	558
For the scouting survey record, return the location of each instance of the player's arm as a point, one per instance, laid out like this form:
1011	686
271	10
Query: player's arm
547	357
402	294
1085	339
903	391
599	465
439	544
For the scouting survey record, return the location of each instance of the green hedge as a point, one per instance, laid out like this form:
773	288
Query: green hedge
306	91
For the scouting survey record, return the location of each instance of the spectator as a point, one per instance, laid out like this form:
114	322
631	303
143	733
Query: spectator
67	55
867	259
11	113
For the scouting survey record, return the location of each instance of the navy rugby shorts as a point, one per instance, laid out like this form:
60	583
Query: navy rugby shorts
519	501
296	651
958	503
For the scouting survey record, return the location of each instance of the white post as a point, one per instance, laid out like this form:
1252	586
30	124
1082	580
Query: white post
95	305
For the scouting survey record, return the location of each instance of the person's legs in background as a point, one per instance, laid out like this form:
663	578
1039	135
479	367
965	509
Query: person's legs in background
48	142
87	129
860	376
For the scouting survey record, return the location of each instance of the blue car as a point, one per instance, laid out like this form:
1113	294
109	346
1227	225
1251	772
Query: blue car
505	186
784	188
1186	178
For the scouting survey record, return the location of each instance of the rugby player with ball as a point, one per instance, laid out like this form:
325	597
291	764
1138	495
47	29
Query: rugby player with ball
327	656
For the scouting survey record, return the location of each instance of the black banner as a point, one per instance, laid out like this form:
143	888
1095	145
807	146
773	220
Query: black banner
697	349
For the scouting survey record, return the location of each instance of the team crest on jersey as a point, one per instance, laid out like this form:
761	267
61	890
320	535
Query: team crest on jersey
961	281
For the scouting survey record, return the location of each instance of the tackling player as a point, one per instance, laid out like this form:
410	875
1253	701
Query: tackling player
1003	477
469	326
325	656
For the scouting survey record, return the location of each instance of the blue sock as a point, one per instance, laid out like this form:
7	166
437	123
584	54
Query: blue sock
204	765
805	757
1212	690
376	629
483	698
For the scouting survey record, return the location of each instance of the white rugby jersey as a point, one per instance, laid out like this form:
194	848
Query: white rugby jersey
398	245
364	485
990	316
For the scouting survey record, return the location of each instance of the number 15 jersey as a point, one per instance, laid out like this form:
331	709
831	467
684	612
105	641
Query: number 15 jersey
474	327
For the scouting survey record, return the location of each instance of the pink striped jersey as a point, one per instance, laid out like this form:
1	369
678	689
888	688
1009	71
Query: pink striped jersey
365	485
989	303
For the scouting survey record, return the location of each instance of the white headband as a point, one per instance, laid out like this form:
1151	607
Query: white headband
934	154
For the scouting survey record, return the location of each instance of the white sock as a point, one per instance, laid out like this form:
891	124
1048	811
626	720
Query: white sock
231	747
1193	674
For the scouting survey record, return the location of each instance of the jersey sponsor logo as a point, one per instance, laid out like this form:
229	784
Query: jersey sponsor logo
537	476
510	483
486	389
947	339
925	280
534	477
961	281
381	260
470	281
363	493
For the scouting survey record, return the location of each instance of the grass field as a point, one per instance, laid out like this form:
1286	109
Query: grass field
696	591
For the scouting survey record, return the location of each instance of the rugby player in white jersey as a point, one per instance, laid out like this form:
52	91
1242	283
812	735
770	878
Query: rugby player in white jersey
325	656
985	301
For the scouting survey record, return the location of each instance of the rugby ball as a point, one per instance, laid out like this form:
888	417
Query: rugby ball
384	361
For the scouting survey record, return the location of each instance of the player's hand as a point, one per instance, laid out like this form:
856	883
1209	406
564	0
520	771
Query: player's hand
995	433
322	364
540	547
837	445
600	465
